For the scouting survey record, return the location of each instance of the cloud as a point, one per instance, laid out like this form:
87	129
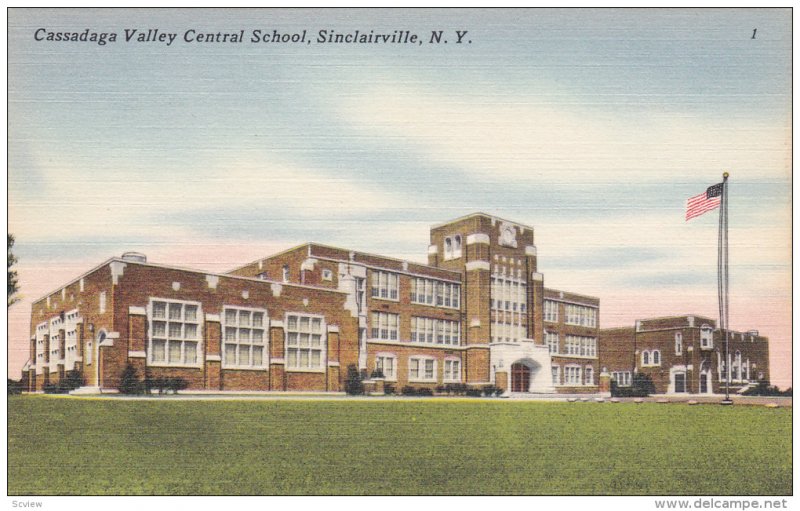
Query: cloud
524	140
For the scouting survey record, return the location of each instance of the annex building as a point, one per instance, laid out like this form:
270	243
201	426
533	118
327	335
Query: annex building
477	314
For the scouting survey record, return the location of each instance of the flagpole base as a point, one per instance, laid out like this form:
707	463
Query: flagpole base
726	402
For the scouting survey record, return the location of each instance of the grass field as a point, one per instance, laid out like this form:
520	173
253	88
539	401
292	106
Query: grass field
65	446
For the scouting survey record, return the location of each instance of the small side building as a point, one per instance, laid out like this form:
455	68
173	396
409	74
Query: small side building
684	355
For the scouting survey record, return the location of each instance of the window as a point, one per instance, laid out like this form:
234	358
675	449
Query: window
102	302
588	375
435	331
305	342
452	247
678	343
452	370
430	292
244	338
508	294
551	338
384	285
623	378
384	326
286	273
572	375
706	337
656	358
550	311
645	358
387	364
421	369
556	371
174	332
580	315
581	346
327	274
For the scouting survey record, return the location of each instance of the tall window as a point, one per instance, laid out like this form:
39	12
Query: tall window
384	285
422	369
452	370
435	331
678	343
550	311
433	292
645	358
556	371
305	342
384	326
387	364
245	336
174	332
589	375
656	358
552	341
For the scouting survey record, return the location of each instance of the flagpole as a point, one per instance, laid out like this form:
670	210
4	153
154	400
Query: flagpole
723	281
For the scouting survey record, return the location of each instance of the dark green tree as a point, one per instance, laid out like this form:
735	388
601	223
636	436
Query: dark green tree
13	283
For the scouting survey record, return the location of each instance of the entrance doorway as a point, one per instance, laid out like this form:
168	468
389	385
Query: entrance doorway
680	382
520	378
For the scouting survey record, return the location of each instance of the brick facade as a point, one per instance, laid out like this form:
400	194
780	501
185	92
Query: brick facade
477	313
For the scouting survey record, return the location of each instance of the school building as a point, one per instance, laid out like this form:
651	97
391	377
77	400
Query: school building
477	314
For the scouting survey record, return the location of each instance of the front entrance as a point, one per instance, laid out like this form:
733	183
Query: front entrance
680	382
704	383
520	378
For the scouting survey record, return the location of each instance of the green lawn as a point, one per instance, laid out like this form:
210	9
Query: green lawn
67	446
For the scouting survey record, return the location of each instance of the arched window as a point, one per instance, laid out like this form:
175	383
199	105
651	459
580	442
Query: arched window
457	246
448	248
706	336
645	358
286	273
678	343
656	358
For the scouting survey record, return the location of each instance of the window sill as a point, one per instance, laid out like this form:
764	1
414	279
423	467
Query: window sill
393	300
244	368
179	366
421	381
321	370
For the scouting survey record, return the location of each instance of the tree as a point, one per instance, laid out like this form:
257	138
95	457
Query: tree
13	283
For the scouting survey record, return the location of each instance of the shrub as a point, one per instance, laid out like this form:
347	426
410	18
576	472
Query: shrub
424	391
377	373
176	384
473	392
73	380
642	386
458	389
498	391
129	381
764	389
408	390
441	389
14	387
354	385
489	390
389	389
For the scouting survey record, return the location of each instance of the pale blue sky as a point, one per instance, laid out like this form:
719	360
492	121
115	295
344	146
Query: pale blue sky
593	126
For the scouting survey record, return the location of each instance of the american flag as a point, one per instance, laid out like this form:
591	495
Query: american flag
706	201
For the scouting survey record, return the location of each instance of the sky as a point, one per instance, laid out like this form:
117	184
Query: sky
592	126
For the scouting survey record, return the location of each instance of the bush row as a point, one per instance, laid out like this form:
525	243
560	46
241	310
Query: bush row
130	384
71	381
